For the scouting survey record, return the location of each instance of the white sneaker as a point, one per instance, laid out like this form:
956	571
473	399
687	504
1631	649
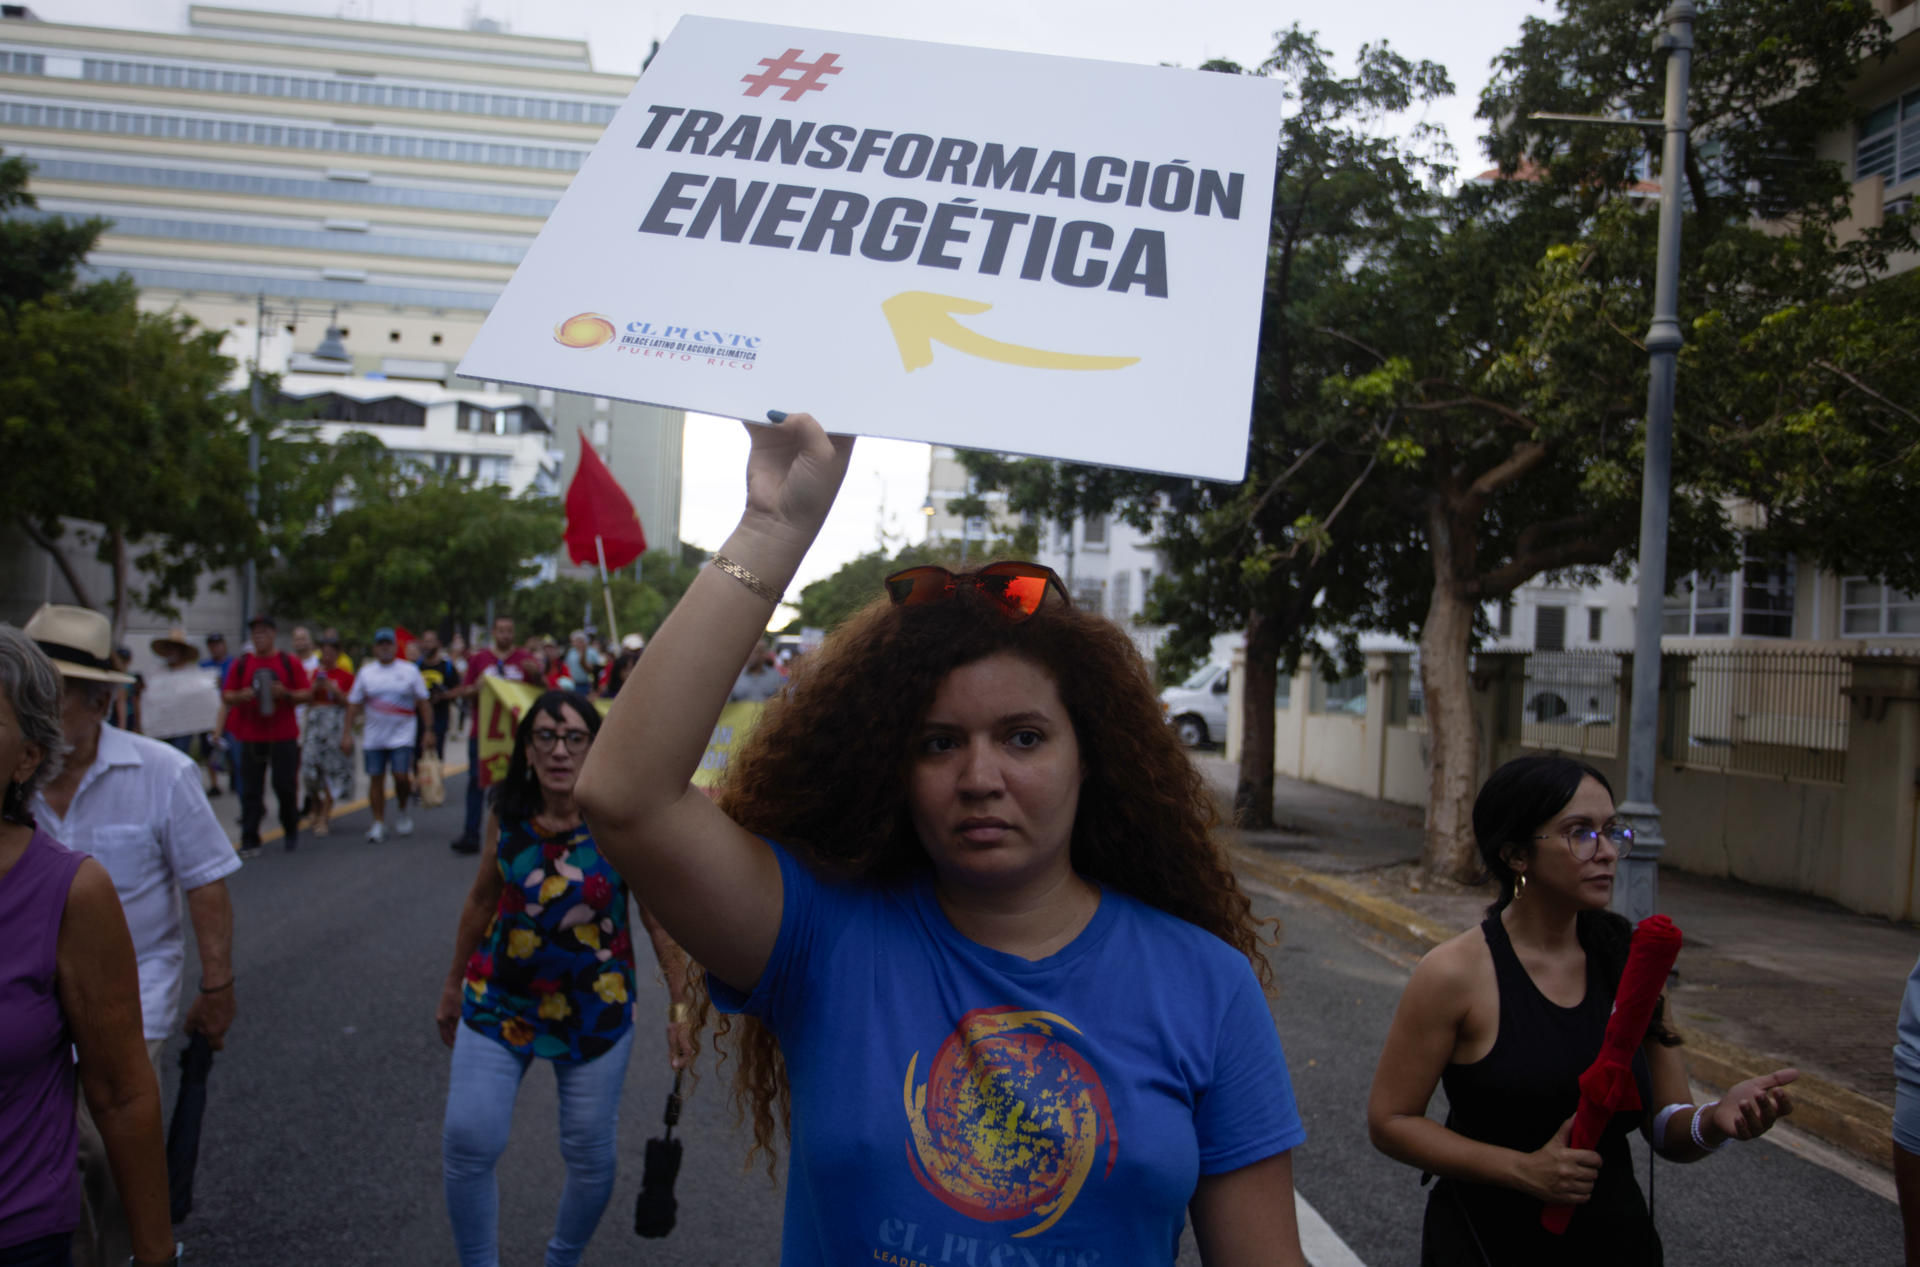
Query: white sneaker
403	826
377	832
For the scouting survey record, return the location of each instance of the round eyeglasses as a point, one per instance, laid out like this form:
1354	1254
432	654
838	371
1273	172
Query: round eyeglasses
545	737
1584	842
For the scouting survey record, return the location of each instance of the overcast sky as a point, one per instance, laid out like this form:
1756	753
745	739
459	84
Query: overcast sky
884	491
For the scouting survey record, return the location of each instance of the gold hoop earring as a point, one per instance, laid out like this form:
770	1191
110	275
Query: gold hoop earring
1519	885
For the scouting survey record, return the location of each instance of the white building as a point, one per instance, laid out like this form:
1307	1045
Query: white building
491	437
379	177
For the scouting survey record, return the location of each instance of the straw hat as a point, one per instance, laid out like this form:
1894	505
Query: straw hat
78	641
176	640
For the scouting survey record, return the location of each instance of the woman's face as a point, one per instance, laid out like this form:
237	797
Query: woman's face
993	776
1550	866
19	758
556	748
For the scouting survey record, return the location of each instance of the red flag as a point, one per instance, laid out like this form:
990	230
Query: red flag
1607	1086
596	507
402	636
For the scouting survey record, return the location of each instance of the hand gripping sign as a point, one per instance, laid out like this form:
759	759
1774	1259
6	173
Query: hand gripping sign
996	250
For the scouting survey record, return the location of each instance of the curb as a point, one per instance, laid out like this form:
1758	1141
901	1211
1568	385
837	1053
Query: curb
1836	1115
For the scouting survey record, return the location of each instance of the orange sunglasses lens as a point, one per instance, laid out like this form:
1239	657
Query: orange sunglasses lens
1016	590
919	585
1020	587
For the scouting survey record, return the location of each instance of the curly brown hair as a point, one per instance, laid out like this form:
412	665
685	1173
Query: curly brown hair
824	773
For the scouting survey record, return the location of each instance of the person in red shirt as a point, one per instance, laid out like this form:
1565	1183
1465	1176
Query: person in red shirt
503	659
327	771
261	689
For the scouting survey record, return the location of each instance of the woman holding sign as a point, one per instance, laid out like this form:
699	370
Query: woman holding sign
959	900
1509	1015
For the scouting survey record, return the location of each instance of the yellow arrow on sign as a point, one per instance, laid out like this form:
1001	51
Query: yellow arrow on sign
920	319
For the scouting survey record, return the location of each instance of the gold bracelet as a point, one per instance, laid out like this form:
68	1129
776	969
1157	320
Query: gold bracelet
746	578
679	1013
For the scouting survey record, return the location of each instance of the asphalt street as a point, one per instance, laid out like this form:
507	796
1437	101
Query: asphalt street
323	1127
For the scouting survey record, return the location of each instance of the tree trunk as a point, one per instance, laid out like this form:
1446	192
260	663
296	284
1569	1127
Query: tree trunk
1453	744
60	560
1253	794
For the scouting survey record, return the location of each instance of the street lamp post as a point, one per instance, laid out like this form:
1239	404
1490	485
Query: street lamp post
1636	894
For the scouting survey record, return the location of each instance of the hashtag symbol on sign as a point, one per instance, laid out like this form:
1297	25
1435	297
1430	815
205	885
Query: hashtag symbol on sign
812	75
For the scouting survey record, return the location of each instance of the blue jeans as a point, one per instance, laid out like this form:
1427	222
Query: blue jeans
380	760
476	795
235	781
484	1083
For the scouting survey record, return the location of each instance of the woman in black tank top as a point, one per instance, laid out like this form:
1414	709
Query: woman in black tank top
1509	1015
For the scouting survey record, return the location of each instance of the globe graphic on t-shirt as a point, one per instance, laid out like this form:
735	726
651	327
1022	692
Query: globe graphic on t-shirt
1010	1121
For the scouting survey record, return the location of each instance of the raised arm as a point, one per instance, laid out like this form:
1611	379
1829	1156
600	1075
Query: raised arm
713	885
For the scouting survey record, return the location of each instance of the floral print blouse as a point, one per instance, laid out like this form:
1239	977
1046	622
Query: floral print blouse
553	975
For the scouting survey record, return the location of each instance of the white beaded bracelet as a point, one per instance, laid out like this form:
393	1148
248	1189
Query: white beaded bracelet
1699	1141
1662	1118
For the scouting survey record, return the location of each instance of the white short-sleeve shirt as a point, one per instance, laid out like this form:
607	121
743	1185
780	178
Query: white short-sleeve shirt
141	812
391	694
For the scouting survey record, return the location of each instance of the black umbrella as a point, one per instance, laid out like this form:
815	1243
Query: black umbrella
654	1209
183	1132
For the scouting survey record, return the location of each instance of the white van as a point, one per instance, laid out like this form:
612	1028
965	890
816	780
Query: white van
1197	707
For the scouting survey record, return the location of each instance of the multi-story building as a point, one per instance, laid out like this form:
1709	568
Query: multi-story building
490	437
1882	151
379	177
947	482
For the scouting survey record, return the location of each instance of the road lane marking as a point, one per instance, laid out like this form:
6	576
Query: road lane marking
1321	1244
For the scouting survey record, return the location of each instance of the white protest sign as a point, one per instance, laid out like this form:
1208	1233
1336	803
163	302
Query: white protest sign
179	702
994	250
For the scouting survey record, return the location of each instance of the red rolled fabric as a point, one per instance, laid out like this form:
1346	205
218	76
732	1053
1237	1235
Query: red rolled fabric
1607	1086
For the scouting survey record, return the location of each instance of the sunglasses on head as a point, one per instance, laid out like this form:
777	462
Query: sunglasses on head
1019	587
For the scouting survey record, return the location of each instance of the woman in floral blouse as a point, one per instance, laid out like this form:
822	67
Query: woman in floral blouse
543	967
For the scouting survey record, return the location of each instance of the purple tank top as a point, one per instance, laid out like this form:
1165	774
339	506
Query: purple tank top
39	1175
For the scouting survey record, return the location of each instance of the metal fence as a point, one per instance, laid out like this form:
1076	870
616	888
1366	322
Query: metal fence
1571	702
1776	713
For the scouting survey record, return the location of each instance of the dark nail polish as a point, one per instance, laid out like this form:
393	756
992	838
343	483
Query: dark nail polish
776	415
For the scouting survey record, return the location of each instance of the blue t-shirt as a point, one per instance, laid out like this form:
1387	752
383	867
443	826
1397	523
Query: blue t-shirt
955	1105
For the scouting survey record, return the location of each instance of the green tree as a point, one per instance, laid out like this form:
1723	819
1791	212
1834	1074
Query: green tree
1515	351
828	602
422	551
640	603
1305	546
669	576
114	417
120	418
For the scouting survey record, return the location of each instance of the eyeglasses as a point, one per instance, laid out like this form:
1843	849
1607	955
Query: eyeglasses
544	737
1019	587
1584	842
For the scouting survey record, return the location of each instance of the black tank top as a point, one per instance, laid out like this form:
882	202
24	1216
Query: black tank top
1516	1096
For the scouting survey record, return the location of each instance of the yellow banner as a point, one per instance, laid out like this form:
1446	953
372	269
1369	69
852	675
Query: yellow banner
503	703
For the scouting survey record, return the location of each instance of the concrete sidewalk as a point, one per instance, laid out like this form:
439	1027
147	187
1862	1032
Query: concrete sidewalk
1766	979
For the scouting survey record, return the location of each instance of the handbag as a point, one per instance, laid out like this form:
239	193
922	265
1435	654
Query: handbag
654	1209
432	781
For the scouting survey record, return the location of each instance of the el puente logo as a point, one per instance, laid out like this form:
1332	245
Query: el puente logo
585	330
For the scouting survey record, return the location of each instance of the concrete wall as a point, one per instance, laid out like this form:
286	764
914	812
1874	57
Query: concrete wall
1855	842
